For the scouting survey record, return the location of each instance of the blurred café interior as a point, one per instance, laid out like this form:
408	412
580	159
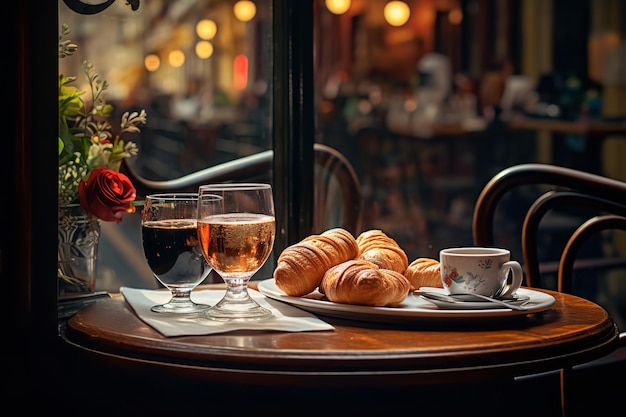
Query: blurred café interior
427	99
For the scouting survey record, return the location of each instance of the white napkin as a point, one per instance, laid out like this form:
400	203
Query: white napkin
286	318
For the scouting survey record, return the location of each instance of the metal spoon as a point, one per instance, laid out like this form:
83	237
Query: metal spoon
453	299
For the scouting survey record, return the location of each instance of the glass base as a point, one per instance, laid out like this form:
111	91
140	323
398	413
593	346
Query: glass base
180	308
240	310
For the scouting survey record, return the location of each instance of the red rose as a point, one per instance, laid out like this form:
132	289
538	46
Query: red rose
107	194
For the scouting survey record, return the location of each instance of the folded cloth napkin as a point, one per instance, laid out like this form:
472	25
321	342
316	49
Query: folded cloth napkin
286	318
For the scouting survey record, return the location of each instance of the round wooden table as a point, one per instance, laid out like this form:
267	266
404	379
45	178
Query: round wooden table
355	356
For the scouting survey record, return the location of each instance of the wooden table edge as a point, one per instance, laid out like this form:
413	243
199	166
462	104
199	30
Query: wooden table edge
197	356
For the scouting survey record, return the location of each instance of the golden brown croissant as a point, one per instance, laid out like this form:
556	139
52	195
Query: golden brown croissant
424	272
364	283
301	266
375	246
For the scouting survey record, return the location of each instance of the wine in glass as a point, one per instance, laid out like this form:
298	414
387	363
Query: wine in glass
236	228
172	249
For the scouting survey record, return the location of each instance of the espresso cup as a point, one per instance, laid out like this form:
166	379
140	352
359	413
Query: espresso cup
479	270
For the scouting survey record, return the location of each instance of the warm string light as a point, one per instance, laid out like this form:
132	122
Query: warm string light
397	13
244	10
206	29
338	6
204	49
176	58
152	62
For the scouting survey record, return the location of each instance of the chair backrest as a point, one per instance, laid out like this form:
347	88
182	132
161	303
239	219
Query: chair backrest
604	203
568	189
337	190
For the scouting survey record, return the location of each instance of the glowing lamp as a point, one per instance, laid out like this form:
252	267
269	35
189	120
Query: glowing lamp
152	62
338	6
397	13
176	58
244	10
240	75
206	29
204	49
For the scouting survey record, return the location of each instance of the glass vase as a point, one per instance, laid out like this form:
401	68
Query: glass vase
77	251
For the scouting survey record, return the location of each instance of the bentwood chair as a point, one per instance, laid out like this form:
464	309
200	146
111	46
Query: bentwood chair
599	206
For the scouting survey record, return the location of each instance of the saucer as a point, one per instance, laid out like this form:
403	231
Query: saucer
468	301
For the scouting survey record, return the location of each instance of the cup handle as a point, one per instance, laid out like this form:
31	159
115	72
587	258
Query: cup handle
516	279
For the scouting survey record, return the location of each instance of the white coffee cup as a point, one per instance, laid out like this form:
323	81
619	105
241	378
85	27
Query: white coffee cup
480	270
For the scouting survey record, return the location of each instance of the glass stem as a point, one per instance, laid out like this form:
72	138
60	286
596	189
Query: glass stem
237	289
180	296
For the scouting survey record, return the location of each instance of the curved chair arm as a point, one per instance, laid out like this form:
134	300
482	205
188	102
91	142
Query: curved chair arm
528	174
242	168
541	206
334	176
575	242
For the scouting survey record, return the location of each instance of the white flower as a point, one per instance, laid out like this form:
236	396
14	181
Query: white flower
99	153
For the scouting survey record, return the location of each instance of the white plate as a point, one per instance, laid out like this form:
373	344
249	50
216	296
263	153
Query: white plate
412	309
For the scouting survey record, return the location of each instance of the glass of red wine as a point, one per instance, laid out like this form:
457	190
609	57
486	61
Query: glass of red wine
236	228
172	249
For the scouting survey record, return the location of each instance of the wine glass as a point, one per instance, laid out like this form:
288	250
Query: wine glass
236	228
172	250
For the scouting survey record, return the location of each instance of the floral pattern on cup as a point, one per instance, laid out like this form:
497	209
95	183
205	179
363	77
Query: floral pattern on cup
470	281
480	270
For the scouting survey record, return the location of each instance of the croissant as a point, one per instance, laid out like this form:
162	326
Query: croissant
375	246
363	283
301	266
424	272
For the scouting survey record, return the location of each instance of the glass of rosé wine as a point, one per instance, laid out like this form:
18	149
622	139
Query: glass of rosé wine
172	249
236	228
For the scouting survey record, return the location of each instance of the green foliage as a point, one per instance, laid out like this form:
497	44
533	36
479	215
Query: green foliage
85	136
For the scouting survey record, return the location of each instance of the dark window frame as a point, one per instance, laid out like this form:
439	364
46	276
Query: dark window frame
27	257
